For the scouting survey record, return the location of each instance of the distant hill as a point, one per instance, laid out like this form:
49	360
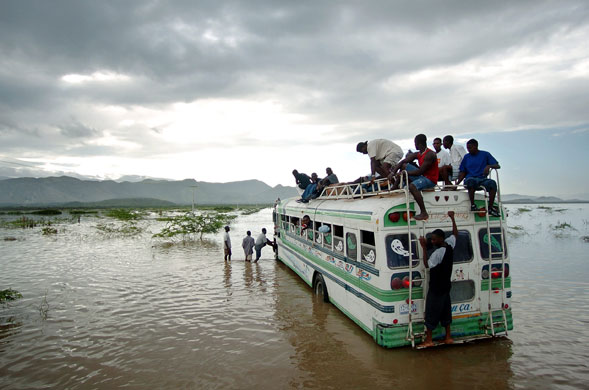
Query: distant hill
67	190
517	198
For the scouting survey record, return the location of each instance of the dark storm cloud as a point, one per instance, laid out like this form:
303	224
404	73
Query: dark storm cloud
326	60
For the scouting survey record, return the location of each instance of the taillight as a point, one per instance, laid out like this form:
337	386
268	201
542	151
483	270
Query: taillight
396	283
395	321
495	273
406	282
506	270
394	217
405	215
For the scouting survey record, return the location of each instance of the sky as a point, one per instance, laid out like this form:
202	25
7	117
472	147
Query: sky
224	91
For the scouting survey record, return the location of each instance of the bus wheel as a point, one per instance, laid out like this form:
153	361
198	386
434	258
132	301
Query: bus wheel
320	289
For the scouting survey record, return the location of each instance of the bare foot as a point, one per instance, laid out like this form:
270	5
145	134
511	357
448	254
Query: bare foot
426	344
421	217
448	341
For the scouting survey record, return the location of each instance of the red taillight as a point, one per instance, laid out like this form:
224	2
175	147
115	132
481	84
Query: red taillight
406	282
506	306
394	217
495	274
395	321
405	215
396	283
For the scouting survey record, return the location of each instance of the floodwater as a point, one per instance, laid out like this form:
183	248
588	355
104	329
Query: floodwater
101	311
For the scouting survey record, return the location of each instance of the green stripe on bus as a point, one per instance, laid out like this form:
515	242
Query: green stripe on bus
496	284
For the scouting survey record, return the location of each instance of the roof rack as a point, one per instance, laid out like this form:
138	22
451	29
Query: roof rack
363	190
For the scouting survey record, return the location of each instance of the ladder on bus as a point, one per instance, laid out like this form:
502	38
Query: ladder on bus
491	324
411	334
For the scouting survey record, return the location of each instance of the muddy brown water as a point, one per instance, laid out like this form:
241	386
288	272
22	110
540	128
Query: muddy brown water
104	312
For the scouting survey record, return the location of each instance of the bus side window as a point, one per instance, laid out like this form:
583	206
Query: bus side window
338	238
309	231
351	246
463	252
327	236
397	247
497	243
285	222
367	248
317	233
295	225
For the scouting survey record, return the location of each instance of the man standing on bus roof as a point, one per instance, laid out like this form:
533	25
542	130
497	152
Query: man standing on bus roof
420	178
474	169
384	155
444	161
438	307
457	153
227	244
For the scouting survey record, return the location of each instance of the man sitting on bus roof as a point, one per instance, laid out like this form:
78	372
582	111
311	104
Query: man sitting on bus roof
425	176
384	155
474	169
437	304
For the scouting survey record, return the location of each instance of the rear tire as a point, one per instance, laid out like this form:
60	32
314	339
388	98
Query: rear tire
319	288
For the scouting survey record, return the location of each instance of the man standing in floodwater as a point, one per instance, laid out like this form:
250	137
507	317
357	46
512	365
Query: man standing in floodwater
248	246
438	305
227	244
261	241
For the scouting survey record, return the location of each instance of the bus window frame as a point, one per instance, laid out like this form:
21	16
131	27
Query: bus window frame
355	234
368	246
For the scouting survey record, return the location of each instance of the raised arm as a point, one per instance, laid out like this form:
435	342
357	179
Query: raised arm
454	227
423	243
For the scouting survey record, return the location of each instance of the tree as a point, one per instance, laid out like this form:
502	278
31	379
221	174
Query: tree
194	224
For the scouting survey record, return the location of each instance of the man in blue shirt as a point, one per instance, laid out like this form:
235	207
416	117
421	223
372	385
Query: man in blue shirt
474	169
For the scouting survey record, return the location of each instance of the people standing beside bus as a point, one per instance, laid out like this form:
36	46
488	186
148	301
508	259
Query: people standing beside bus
438	306
227	244
420	178
248	244
474	169
384	155
457	153
444	161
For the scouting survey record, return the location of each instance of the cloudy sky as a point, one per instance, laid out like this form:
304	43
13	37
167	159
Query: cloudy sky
235	90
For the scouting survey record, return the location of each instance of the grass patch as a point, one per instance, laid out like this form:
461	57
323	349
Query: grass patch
47	231
83	212
523	210
125	214
46	212
9	295
547	208
128	229
563	226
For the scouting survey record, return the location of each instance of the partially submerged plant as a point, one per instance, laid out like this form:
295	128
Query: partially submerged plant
191	224
125	214
9	295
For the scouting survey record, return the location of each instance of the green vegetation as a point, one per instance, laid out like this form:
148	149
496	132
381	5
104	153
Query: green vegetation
190	224
9	295
523	210
82	212
547	208
49	230
252	210
46	212
563	226
127	229
125	214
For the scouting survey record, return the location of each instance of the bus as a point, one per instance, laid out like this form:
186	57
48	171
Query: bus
356	246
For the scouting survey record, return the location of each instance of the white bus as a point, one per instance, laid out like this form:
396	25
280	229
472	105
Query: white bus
360	252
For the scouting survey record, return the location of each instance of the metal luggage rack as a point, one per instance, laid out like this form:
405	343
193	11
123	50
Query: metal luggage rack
380	187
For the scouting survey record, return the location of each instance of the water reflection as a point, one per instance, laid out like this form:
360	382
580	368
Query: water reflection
125	310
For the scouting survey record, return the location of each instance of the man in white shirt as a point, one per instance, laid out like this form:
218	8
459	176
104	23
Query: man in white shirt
443	160
248	245
457	153
261	241
440	262
384	155
227	244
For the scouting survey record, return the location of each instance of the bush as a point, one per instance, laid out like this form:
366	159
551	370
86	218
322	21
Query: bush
189	223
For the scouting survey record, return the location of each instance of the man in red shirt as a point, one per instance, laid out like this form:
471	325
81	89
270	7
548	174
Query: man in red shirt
422	177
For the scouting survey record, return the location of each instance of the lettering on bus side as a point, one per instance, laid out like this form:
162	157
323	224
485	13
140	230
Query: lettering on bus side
461	308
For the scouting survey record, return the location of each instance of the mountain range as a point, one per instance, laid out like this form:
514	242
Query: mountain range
74	192
64	190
